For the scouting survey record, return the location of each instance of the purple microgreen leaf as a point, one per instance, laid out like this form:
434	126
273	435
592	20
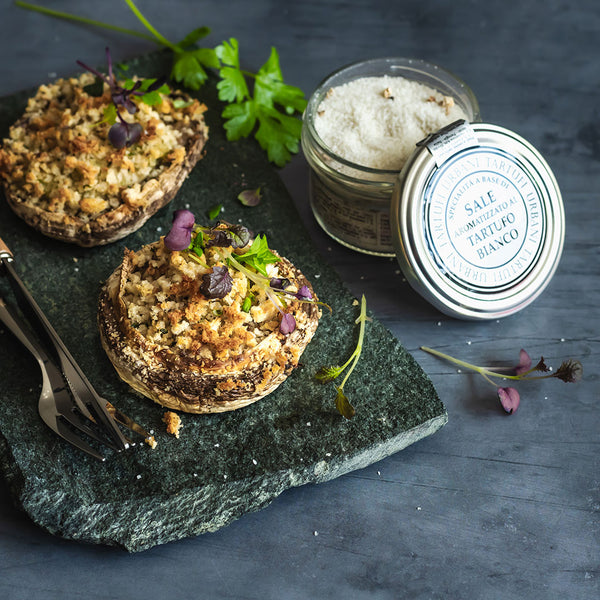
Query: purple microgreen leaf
570	371
135	131
343	404
250	197
288	323
117	135
279	283
236	236
180	236
524	363
509	398
217	283
304	293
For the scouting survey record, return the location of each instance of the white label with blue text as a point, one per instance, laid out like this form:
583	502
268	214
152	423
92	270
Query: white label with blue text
485	222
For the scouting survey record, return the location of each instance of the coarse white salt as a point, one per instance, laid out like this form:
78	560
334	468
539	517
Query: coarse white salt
377	121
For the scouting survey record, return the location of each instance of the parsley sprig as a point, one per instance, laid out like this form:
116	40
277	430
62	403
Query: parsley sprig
327	374
258	104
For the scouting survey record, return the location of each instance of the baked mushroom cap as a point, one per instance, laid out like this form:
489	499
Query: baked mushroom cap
195	354
62	176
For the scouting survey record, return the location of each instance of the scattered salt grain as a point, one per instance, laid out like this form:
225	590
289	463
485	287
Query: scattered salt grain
315	532
254	461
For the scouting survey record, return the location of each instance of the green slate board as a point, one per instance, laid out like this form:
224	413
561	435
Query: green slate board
224	465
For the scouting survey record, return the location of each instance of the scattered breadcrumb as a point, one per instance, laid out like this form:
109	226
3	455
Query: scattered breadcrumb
151	442
173	422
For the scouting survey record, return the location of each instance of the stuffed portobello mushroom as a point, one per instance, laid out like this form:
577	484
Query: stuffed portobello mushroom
211	326
90	168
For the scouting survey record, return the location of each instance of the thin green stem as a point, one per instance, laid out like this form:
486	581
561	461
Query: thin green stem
467	365
69	17
361	334
484	371
161	38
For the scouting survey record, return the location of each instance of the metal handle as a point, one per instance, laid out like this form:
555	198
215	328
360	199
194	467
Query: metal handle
7	317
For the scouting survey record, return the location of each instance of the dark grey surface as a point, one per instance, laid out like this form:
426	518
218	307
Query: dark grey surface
491	506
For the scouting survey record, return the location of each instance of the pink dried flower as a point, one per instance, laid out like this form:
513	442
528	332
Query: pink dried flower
509	398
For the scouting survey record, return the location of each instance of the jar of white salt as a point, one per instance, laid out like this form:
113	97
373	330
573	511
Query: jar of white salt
360	127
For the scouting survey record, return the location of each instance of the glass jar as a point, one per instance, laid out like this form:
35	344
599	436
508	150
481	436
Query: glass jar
351	202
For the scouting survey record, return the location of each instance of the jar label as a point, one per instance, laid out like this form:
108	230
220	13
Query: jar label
450	140
485	220
351	223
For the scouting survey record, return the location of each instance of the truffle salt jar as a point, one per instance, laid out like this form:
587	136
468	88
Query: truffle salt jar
351	201
471	210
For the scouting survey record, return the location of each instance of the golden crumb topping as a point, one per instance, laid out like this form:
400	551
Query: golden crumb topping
173	422
162	301
58	156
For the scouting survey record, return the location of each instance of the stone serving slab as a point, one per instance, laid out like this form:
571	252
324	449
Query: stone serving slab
224	465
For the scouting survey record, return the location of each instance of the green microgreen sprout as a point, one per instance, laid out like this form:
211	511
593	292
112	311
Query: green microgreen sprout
569	371
258	104
327	374
214	211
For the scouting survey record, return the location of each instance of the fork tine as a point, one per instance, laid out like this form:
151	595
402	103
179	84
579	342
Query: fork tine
57	424
66	409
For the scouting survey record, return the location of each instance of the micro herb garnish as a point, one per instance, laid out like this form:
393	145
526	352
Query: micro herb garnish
250	197
122	132
327	374
570	371
185	236
268	108
214	211
258	256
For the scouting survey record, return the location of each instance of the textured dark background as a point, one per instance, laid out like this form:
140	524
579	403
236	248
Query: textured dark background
491	506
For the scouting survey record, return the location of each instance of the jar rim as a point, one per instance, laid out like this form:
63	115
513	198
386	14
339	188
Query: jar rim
412	64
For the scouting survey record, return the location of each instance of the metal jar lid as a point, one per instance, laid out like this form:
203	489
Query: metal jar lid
478	221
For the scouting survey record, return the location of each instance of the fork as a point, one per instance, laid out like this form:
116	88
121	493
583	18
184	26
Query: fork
56	406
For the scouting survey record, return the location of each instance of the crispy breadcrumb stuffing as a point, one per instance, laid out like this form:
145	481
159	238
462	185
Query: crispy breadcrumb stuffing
162	300
58	158
173	423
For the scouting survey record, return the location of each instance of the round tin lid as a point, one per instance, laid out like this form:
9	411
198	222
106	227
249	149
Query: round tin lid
477	221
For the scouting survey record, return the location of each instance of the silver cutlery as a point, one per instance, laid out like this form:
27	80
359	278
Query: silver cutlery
64	408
